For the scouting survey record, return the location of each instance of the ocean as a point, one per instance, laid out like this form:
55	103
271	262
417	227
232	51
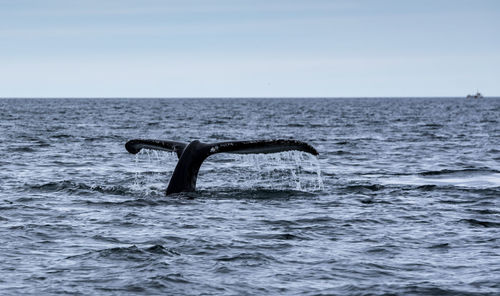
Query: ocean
403	199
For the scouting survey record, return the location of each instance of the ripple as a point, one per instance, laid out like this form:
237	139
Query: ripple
408	205
256	194
465	172
363	188
128	253
21	149
78	188
275	236
250	258
482	223
440	246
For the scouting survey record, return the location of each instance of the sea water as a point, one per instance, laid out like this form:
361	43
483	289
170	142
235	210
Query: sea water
404	198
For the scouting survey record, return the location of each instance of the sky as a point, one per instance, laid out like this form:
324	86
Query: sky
236	48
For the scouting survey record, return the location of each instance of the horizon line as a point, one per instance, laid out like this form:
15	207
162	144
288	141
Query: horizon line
257	97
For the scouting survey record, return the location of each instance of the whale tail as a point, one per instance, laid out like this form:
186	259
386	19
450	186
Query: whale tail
192	155
134	146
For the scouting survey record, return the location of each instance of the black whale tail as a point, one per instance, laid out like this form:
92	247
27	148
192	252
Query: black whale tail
261	146
134	146
192	156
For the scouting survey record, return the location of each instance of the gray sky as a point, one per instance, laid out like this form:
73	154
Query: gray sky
249	48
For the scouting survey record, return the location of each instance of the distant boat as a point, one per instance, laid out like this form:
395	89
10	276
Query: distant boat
478	95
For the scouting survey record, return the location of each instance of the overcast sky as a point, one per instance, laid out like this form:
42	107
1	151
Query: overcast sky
249	48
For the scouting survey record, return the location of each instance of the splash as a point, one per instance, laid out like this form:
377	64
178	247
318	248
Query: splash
291	170
286	170
152	171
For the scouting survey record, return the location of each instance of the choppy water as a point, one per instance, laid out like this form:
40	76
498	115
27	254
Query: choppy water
408	201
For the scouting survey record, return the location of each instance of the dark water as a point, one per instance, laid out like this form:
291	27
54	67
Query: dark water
408	202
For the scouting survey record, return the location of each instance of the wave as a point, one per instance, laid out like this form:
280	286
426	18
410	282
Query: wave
255	193
101	138
468	178
440	246
133	253
248	257
363	188
484	192
151	195
428	187
475	222
62	136
136	202
275	236
79	188
340	152
21	149
459	171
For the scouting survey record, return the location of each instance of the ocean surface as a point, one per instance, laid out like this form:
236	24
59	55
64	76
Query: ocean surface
404	198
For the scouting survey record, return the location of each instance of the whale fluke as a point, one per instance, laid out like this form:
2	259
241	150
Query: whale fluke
134	146
192	156
261	146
